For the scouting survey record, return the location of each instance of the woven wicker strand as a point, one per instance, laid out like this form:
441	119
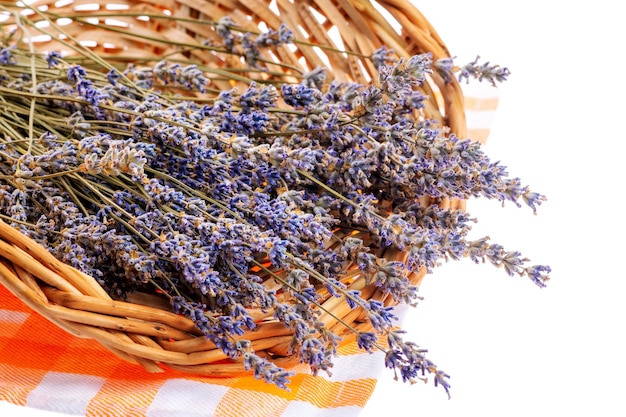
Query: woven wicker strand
143	330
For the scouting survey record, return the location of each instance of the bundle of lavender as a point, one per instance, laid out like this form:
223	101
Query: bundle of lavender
272	198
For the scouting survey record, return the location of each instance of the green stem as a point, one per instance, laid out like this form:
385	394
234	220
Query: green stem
320	306
327	188
199	194
33	74
44	177
295	290
65	186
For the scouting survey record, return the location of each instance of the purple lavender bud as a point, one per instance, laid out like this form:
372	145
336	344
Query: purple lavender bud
381	56
298	95
6	56
52	58
113	76
445	68
367	341
76	73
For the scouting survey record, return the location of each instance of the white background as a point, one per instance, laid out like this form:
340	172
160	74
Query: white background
511	348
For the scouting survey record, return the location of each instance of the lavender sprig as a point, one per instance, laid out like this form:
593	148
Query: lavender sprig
491	73
494	74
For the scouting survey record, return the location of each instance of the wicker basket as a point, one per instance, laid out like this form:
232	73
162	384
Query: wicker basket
144	331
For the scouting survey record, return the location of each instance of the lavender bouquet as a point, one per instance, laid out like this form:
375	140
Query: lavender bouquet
271	197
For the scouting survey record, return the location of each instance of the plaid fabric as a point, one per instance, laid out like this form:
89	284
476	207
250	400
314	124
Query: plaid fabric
43	367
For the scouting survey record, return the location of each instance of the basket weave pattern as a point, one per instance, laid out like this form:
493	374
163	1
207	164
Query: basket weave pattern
142	330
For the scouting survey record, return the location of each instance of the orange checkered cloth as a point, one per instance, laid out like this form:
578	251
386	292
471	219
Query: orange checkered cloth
43	367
